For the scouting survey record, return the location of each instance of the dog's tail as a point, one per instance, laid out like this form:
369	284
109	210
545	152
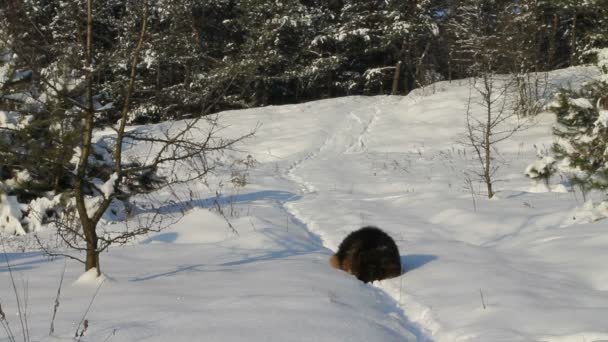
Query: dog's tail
334	262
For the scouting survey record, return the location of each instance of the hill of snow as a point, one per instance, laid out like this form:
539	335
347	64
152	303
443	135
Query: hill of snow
524	266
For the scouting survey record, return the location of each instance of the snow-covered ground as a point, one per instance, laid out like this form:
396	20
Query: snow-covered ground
524	266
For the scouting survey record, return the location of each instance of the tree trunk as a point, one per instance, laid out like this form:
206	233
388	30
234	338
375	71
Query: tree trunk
419	71
88	225
92	259
487	171
450	66
553	42
396	79
573	54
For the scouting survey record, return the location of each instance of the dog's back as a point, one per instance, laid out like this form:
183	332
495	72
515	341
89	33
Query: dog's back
369	254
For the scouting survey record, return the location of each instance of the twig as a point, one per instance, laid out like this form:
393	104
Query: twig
7	328
19	305
469	184
26	292
219	209
84	321
49	253
85	327
483	302
56	306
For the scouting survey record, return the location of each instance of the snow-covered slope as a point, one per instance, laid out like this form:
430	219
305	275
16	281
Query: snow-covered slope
523	266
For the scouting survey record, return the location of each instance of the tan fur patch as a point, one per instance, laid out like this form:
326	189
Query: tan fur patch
334	262
347	265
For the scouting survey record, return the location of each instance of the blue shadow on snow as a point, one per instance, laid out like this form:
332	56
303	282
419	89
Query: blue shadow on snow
16	263
285	247
162	237
411	262
266	195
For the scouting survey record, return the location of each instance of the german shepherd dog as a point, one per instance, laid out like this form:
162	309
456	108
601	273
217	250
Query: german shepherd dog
369	254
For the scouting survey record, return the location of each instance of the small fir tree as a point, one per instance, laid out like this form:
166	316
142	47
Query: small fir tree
582	132
541	169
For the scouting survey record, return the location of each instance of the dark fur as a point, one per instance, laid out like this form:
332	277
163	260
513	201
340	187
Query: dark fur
369	254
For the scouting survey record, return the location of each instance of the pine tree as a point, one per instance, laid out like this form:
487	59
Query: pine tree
480	31
582	115
582	135
369	41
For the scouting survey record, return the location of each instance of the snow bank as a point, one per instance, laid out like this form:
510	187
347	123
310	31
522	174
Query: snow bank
90	279
10	215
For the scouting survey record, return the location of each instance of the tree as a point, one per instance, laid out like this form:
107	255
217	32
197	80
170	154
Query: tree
490	127
481	40
521	36
582	135
582	130
81	85
366	42
276	49
563	29
412	35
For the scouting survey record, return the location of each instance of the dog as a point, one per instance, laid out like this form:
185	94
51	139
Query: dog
369	254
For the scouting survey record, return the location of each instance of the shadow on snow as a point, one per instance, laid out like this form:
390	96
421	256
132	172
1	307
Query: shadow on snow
411	262
173	207
284	245
15	261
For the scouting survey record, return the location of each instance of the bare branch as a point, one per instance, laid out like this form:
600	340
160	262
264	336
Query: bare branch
56	254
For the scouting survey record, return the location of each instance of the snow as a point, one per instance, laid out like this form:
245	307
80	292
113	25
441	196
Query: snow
59	79
20	177
38	211
90	278
9	119
107	188
10	215
590	212
524	266
318	40
540	168
581	103
198	226
21	75
5	73
602	118
150	58
602	62
142	111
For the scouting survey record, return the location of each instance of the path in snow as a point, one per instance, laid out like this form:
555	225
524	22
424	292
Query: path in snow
350	138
